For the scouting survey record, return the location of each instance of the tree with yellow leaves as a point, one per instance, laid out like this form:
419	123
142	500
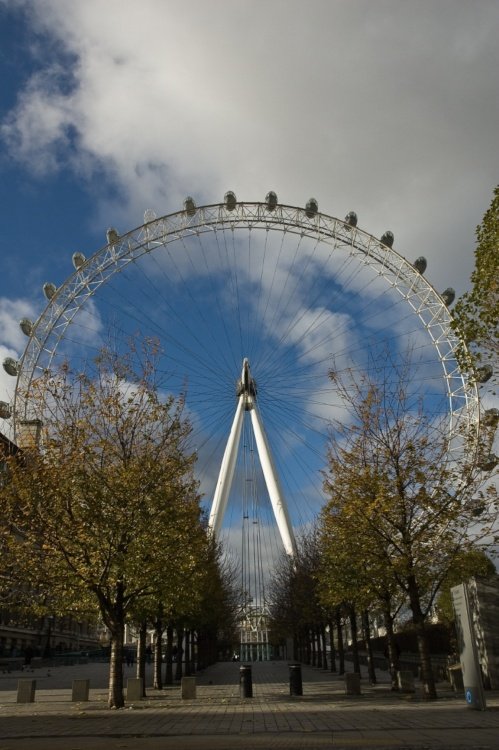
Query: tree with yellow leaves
106	507
476	314
400	514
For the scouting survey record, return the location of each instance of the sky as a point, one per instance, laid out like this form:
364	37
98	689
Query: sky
110	107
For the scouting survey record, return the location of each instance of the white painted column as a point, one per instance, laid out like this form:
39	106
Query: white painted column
226	471
271	480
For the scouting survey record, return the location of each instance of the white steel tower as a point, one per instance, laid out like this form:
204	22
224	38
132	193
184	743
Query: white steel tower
246	402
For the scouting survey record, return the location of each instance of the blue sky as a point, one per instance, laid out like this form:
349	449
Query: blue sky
108	108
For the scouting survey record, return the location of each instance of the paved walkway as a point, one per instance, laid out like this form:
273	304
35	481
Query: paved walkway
324	717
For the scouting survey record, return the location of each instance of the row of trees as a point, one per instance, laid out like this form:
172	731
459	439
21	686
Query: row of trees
402	522
401	518
103	514
327	631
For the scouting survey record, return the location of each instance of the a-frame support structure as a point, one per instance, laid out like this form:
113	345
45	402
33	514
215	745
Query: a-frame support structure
246	402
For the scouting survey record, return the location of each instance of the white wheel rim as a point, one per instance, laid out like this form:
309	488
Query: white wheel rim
332	236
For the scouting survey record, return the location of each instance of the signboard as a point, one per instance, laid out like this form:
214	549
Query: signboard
470	665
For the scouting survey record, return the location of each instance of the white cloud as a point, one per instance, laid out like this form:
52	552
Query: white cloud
389	108
7	382
7	390
12	343
11	312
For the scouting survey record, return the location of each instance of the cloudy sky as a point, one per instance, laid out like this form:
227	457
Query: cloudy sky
108	107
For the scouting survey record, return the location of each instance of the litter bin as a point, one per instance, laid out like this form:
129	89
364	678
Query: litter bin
245	681
295	682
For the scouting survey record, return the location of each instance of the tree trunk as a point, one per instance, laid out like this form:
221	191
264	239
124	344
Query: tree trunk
318	636
116	624
355	643
169	655
322	636
308	648
200	650
193	651
392	649
213	647
115	695
427	679
339	639
158	654
313	641
187	653
203	649
141	656
180	654
332	656
366	632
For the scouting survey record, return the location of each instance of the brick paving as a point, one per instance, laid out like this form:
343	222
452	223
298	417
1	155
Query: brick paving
324	717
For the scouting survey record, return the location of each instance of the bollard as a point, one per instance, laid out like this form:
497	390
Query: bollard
352	683
188	687
26	691
80	690
134	689
245	681
295	681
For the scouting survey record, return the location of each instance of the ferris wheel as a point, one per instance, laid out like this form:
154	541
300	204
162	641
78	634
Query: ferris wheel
253	302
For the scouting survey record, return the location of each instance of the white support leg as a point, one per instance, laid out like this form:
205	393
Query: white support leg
226	471
276	496
247	402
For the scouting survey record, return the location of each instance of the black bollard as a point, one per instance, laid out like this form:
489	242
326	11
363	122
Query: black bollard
295	683
245	681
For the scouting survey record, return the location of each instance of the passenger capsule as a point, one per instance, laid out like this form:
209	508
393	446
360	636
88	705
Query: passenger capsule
230	200
448	296
26	326
271	200
311	208
351	219
112	236
488	462
387	238
78	260
484	373
420	264
491	418
189	206
5	410
150	215
49	290
11	366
